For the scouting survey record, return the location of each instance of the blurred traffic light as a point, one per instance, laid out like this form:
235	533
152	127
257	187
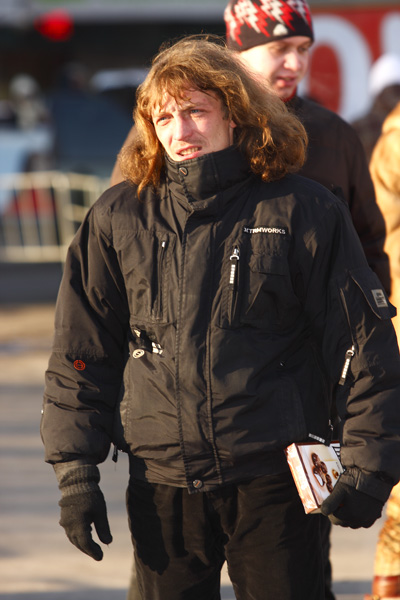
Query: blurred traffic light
56	25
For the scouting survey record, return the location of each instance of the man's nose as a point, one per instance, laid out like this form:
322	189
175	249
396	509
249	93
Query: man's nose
182	128
292	60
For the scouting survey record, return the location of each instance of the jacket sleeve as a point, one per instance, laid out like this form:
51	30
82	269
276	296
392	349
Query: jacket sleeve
365	212
337	160
84	375
351	317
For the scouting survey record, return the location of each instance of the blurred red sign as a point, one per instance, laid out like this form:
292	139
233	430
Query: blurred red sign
347	42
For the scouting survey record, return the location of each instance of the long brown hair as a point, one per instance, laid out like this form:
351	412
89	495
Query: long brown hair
273	140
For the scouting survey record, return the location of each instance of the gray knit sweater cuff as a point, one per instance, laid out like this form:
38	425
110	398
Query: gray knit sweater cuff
77	478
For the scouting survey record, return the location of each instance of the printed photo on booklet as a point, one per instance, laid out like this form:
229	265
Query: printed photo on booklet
316	469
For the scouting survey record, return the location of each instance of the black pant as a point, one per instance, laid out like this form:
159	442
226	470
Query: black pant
272	548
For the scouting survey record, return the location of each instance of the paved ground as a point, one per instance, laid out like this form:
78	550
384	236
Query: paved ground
36	560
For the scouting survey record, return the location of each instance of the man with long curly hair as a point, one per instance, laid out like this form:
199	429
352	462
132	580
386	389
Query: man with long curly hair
223	295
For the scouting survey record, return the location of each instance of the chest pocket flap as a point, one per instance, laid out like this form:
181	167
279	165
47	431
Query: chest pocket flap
266	263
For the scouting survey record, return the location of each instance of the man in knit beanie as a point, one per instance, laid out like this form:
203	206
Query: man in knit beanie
274	39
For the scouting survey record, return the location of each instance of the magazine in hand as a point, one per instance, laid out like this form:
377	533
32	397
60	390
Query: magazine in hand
316	469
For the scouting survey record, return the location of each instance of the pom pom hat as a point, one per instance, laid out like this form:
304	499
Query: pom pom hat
251	23
384	72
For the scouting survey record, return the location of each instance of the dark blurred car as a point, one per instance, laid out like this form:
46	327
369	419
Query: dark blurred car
119	85
91	122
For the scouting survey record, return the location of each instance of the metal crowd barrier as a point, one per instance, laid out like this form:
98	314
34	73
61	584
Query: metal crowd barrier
41	211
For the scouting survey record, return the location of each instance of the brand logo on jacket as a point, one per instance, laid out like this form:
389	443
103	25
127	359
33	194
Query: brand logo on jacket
274	230
79	365
380	298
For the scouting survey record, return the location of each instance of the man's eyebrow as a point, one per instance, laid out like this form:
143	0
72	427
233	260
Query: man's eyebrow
285	42
186	105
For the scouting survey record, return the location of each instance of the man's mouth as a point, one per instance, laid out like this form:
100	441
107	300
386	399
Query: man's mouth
187	151
287	80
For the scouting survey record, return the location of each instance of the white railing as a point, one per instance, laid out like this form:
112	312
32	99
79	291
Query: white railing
41	211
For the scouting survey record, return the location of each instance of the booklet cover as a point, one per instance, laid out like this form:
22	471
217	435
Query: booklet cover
315	469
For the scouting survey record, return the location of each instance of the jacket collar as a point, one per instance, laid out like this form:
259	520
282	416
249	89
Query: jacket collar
294	102
198	183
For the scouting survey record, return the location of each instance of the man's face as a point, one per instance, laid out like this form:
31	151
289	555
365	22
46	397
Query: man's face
282	63
192	126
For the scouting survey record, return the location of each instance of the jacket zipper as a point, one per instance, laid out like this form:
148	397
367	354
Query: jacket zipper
233	280
349	355
351	351
161	259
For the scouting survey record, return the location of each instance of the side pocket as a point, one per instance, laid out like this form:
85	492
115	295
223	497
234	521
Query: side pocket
121	411
146	262
119	420
289	418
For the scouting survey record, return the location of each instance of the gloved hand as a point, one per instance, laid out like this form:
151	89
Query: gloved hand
82	503
348	506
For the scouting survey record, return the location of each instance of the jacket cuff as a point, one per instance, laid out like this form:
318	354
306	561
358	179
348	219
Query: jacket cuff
367	483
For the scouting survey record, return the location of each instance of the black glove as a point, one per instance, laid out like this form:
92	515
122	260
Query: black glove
82	504
348	506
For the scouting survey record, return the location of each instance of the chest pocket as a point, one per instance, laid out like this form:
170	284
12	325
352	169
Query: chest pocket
261	293
146	259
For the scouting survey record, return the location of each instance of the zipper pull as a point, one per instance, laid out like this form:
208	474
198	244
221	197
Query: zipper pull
234	258
161	257
163	246
317	438
349	355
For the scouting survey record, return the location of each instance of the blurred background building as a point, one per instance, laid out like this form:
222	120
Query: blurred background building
80	60
68	74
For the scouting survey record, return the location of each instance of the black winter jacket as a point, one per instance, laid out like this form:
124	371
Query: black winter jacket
336	158
226	305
